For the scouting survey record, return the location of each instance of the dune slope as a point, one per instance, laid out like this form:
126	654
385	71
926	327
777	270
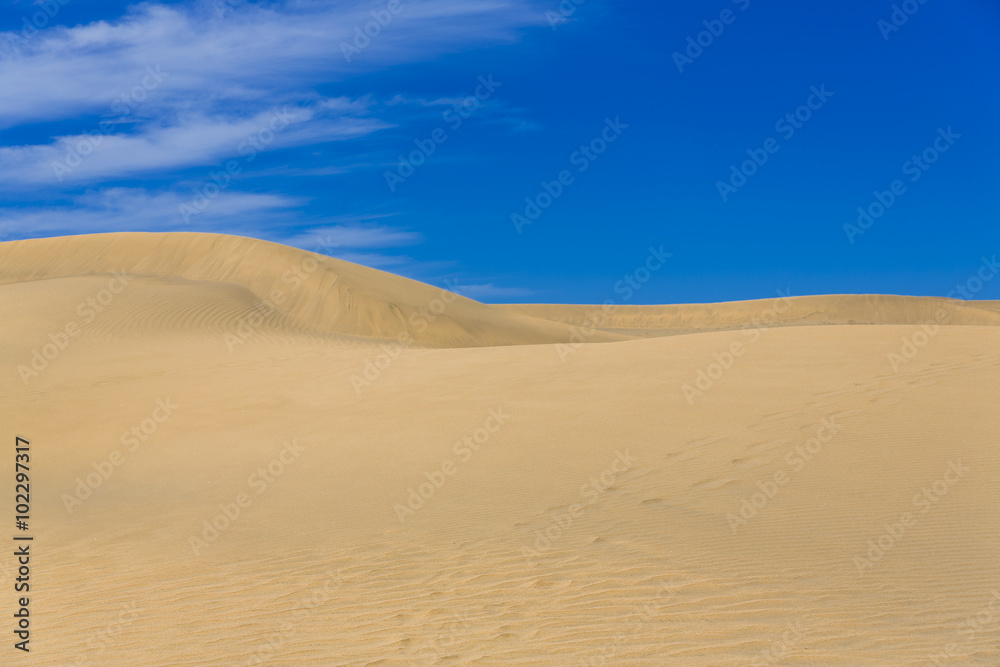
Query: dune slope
827	495
318	294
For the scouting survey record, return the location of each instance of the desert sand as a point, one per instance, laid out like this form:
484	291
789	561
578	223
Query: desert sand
245	453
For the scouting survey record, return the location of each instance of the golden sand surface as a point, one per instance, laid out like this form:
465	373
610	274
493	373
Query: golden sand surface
244	453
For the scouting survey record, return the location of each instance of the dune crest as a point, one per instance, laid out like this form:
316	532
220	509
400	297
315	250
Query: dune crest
833	309
316	293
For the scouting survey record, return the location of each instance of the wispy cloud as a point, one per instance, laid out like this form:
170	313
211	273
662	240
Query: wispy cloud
358	232
131	209
251	54
192	141
173	86
490	291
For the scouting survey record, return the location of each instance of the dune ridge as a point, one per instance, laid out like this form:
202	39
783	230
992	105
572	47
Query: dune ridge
327	296
488	496
838	309
321	294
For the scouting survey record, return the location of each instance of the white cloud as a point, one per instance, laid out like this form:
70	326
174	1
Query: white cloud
93	156
174	86
254	53
397	263
133	209
491	291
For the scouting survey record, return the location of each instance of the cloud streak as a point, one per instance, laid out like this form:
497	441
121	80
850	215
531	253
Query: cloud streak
197	140
168	87
252	54
126	209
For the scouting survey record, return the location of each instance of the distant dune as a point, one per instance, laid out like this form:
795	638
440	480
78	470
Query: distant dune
309	292
245	454
791	311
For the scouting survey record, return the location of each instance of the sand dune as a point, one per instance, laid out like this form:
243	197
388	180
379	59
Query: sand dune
496	492
317	294
790	311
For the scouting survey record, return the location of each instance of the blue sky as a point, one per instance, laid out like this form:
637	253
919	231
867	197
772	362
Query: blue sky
277	120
